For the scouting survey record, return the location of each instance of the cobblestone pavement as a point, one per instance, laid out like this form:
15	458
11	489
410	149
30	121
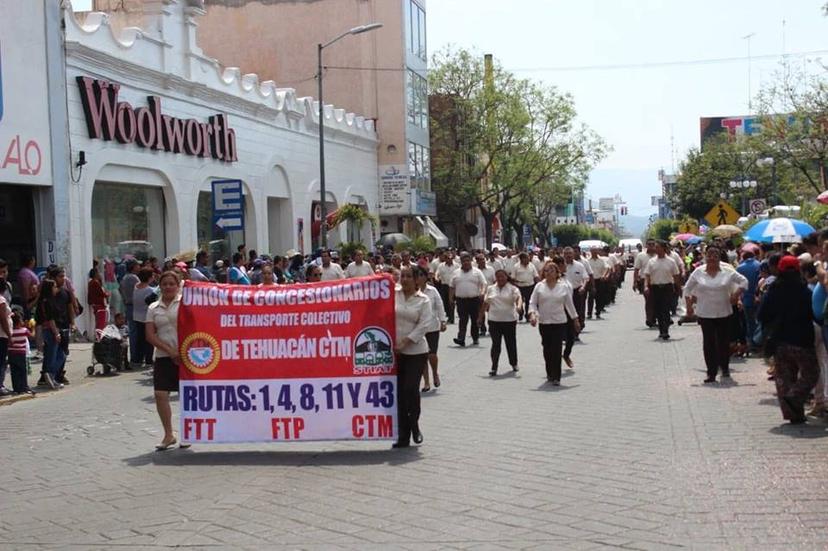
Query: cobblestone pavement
630	452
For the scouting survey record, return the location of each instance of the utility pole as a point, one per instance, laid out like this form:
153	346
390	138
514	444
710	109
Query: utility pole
748	37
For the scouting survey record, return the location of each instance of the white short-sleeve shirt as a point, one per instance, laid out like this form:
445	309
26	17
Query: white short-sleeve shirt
524	275
662	271
502	302
332	272
359	270
165	319
468	284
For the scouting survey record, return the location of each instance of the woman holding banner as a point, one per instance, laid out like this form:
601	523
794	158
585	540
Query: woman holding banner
162	332
413	316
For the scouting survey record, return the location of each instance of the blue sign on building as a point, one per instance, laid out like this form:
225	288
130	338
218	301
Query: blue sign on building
228	205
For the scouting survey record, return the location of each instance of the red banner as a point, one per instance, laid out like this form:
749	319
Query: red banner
315	359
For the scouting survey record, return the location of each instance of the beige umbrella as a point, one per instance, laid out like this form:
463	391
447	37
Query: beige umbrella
727	230
185	256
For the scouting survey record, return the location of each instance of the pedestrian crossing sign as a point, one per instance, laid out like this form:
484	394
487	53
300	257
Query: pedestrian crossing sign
689	226
721	213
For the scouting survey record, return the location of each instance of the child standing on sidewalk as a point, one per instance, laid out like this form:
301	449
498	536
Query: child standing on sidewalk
18	352
123	329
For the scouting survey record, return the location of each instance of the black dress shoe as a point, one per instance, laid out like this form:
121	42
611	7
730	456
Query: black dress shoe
417	436
493	372
400	445
515	368
710	380
460	343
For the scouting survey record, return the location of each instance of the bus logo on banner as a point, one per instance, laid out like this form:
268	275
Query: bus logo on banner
373	353
200	353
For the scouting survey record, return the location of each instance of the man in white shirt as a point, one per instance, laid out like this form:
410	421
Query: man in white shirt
613	280
466	290
488	273
596	300
443	274
578	277
538	260
524	275
330	270
661	281
680	263
497	260
640	263
359	268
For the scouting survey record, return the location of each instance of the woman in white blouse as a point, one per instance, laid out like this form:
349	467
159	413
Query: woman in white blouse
413	316
438	324
502	304
551	308
711	293
162	333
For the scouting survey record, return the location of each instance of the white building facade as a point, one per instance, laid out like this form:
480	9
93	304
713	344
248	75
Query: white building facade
156	122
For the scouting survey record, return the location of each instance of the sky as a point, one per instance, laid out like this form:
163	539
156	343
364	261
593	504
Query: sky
639	111
650	115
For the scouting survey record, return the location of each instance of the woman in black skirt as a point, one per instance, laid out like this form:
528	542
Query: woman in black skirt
162	333
413	315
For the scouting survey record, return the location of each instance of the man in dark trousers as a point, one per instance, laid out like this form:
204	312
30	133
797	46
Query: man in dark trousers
468	285
661	282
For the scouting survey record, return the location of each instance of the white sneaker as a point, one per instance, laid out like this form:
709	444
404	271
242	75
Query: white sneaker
50	381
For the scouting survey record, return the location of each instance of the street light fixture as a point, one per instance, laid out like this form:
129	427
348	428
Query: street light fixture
323	207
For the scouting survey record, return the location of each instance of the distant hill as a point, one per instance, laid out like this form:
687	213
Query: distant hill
635	225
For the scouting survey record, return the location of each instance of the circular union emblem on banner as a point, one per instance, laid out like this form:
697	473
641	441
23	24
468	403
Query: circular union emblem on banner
200	353
373	352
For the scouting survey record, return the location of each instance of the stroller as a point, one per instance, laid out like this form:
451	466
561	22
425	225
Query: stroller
107	351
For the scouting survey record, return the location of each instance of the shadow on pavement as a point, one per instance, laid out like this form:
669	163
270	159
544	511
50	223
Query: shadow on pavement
547	387
180	458
810	430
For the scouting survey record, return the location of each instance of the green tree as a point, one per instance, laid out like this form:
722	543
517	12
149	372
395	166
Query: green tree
662	229
794	128
705	174
497	139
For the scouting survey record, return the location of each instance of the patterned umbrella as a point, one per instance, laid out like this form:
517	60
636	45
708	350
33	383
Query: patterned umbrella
823	198
727	230
684	236
779	230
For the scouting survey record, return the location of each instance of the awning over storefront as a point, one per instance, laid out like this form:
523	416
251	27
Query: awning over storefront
430	228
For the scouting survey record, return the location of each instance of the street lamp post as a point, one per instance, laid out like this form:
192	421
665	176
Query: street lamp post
323	207
743	185
772	162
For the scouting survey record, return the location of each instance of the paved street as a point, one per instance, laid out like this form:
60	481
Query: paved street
630	452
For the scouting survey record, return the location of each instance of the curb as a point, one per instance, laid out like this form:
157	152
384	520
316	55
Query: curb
12	399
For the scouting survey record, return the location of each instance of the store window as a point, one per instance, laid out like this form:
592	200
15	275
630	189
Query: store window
419	166
128	221
416	29
417	100
218	243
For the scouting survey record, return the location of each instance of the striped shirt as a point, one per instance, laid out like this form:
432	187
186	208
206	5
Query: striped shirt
19	343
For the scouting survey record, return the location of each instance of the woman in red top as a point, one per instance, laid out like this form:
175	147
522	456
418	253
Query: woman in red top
97	297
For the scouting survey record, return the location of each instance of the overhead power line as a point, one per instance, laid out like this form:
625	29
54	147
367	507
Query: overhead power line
613	67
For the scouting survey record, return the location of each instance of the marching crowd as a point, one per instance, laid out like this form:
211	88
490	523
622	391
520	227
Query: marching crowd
762	299
753	299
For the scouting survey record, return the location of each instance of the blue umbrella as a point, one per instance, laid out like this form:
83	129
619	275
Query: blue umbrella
695	240
778	230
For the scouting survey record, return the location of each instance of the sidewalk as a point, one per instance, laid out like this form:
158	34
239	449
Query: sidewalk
80	357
